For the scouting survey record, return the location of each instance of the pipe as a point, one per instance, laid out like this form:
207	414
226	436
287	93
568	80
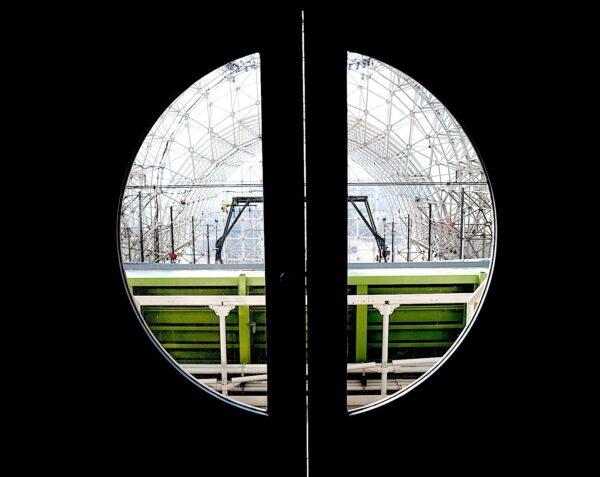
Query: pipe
247	379
253	369
223	348
384	352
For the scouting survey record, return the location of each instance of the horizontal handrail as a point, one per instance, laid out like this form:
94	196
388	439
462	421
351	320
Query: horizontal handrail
260	300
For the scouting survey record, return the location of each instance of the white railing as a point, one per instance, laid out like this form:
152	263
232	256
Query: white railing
385	304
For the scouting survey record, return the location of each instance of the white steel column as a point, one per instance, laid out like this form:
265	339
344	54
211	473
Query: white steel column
386	310
222	311
474	300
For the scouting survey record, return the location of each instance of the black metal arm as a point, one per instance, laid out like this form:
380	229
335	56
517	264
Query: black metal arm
370	223
235	202
244	202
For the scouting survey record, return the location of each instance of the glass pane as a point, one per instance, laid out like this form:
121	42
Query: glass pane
191	230
420	232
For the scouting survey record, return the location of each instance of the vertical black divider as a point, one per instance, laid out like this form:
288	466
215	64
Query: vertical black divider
327	211
283	171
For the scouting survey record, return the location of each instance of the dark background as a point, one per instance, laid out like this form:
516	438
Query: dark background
123	407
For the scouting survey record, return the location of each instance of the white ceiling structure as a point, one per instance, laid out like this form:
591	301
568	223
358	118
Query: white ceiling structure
406	152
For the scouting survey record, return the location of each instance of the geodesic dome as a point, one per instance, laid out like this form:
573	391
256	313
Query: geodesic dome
406	152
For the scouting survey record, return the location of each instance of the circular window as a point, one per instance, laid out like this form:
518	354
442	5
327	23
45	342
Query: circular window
421	233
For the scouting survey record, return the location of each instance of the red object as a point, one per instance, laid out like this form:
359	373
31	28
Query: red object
173	255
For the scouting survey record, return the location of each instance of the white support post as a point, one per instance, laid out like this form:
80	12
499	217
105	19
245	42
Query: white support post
386	310
222	311
471	306
474	300
137	304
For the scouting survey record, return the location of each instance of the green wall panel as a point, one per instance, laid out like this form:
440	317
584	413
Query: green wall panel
191	334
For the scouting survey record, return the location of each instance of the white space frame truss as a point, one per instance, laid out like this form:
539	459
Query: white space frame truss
406	152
